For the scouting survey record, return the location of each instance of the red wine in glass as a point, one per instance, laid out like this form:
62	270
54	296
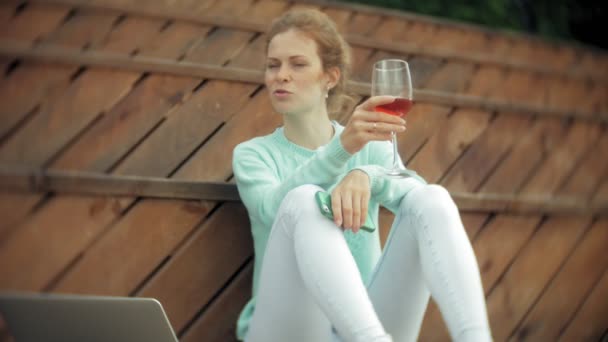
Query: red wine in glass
392	77
399	108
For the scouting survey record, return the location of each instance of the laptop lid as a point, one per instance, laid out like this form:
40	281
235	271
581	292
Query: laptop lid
60	317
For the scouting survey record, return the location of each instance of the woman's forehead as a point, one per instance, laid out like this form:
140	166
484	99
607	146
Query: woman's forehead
290	44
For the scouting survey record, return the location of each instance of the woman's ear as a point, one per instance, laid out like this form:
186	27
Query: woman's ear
333	76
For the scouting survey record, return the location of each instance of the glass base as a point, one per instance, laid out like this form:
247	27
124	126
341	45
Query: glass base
395	173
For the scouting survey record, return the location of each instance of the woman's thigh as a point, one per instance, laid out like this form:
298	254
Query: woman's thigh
285	310
397	288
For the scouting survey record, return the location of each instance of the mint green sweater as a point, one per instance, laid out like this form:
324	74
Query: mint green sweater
267	168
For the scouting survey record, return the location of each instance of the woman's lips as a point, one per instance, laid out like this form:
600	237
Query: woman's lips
281	93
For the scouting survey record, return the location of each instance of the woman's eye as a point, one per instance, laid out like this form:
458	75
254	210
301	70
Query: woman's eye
272	66
299	65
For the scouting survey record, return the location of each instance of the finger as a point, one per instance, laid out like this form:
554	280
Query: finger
371	103
373	116
364	206
356	200
336	207
347	210
381	127
378	136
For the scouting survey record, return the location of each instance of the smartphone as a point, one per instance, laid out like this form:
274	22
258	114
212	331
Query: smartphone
324	202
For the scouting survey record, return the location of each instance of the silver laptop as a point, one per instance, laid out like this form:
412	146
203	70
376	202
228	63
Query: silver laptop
56	317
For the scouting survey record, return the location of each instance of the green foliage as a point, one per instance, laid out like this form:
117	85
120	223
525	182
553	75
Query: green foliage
548	18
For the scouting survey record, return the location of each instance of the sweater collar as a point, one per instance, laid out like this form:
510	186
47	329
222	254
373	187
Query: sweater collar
279	137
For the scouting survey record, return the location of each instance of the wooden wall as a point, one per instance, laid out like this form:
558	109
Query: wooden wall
168	89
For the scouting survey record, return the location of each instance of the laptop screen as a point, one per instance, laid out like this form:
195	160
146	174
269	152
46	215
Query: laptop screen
58	317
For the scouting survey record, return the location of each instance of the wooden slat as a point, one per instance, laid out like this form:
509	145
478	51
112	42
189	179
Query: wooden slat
83	28
130	35
591	319
44	84
174	41
448	142
151	230
452	77
67	115
145	161
528	275
480	159
218	322
169	44
478	162
560	163
375	43
14	207
186	129
485	79
569	288
34	23
38	81
94	214
147	104
493	253
422	69
100	184
204	264
224	43
141	63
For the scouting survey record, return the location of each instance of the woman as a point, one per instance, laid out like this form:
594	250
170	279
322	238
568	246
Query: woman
318	280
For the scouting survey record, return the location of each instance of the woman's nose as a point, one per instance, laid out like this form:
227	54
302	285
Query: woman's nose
283	75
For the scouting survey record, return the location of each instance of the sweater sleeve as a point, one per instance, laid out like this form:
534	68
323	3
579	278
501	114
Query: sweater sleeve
260	187
388	191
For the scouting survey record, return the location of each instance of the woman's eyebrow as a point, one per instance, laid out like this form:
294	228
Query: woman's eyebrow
290	57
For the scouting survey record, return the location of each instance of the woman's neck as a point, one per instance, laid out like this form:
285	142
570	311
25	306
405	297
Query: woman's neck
308	131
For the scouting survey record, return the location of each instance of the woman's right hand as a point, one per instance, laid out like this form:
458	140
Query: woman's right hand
366	125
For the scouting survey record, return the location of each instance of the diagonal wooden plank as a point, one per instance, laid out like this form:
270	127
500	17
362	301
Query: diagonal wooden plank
84	27
124	125
174	41
525	279
35	79
146	64
186	129
33	23
590	321
51	216
494	58
485	80
492	251
130	35
217	322
44	83
169	41
203	265
528	275
108	268
62	119
121	234
451	77
569	288
485	154
422	121
449	141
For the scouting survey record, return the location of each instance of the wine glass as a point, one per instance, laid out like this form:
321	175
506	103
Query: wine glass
392	77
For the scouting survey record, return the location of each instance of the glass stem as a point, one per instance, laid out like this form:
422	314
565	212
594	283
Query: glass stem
395	153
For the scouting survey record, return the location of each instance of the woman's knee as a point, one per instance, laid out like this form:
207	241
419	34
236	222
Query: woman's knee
301	198
430	199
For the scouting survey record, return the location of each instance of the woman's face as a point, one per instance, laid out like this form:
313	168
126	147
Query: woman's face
294	74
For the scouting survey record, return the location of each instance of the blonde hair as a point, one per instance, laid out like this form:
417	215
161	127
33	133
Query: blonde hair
333	50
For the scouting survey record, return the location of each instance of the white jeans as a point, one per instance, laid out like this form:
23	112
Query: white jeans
310	286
